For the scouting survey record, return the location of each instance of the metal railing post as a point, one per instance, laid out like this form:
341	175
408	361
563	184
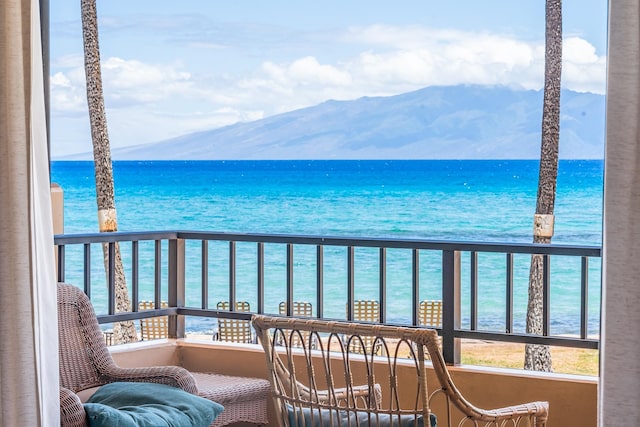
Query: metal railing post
319	281
351	282
450	306
60	269
176	273
415	287
290	261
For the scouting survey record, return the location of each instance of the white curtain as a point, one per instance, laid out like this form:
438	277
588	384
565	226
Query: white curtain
620	353
29	390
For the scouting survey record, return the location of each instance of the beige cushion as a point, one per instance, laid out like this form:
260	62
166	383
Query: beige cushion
85	394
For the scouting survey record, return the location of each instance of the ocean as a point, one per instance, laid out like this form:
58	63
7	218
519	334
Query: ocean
465	200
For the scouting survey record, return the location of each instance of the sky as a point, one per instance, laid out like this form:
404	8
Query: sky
171	68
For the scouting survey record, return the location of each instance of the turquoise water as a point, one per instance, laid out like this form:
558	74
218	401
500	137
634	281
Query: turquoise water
485	201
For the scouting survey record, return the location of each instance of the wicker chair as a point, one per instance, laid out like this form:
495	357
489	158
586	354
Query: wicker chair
85	361
333	387
86	364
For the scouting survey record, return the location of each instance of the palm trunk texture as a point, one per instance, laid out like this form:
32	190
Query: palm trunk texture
123	332
538	357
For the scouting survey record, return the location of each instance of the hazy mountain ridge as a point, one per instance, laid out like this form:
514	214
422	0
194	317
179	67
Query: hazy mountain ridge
458	122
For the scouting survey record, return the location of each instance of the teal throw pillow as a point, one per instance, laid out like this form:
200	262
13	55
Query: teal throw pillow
135	404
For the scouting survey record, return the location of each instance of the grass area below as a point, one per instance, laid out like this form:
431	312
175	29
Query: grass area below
507	355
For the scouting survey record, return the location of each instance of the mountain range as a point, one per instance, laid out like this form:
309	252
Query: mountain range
454	122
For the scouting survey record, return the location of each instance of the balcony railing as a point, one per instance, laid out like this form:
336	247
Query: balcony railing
459	267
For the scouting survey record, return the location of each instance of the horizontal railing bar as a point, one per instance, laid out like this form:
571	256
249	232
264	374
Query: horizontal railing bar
528	339
223	314
524	248
116	236
144	314
391	243
168	311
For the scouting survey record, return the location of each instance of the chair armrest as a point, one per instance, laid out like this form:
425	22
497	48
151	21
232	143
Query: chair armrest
71	409
539	410
175	376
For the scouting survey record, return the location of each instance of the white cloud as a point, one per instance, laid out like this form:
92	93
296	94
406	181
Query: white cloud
148	102
296	79
583	70
419	56
126	81
579	51
307	71
134	81
66	97
60	80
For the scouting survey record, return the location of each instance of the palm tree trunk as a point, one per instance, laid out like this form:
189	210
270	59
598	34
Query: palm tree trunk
123	332
538	357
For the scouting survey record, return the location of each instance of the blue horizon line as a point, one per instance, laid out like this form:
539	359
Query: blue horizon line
322	160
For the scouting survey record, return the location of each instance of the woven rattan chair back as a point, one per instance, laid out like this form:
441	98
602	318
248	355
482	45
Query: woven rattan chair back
153	328
330	386
82	350
430	313
234	330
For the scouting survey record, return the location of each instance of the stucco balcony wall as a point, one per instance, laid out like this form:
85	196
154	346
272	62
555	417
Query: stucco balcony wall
572	399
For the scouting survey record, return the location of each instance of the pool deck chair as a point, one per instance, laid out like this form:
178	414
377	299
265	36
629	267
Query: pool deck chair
153	328
234	330
365	311
300	309
331	387
430	313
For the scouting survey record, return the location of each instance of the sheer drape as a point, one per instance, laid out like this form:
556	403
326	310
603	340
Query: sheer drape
28	326
620	364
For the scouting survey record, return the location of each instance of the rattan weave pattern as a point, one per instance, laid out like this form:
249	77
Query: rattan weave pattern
85	361
307	382
71	410
244	399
